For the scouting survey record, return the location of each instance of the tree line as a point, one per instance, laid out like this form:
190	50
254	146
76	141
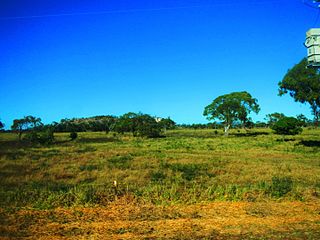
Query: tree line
138	124
227	111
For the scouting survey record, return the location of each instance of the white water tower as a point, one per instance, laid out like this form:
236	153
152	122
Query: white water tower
313	47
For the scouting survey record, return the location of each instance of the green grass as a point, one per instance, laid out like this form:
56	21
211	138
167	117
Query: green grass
187	166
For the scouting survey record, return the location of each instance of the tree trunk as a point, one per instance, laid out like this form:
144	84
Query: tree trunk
316	114
226	129
20	135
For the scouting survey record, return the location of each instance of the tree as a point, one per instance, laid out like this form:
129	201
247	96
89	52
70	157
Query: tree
126	123
1	125
25	124
235	106
303	120
147	126
287	126
73	135
274	117
138	124
166	123
303	84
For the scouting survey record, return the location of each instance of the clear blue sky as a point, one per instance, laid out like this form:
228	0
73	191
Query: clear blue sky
63	59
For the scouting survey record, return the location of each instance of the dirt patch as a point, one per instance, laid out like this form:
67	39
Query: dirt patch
128	219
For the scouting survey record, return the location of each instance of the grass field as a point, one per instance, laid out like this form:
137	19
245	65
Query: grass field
192	184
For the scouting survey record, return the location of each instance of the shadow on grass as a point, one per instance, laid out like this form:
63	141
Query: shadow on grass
98	140
249	134
310	143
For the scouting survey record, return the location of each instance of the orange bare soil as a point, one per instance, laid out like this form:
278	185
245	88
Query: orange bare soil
128	219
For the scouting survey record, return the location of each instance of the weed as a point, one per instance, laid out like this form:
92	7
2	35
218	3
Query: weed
157	176
280	186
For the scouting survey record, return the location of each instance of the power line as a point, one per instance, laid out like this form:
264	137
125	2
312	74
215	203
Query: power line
135	10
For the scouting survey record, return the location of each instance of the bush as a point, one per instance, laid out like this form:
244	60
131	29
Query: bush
32	137
44	137
287	126
281	186
73	135
142	125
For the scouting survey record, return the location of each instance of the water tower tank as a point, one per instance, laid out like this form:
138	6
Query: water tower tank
313	46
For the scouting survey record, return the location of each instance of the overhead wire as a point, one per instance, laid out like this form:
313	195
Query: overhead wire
136	10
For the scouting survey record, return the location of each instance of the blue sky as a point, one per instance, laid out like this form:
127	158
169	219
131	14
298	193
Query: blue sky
63	59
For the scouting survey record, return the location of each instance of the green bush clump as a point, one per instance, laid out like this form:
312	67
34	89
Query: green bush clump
287	126
44	137
158	176
189	171
280	186
73	135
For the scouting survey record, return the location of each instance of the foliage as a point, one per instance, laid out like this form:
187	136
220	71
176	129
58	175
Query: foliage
146	126
46	136
94	124
167	123
281	186
73	135
303	84
272	118
1	125
235	106
26	124
138	124
304	120
287	126
43	137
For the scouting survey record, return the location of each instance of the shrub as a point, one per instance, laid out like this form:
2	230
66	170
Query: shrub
44	137
287	126
32	137
281	186
142	125
73	135
189	171
157	176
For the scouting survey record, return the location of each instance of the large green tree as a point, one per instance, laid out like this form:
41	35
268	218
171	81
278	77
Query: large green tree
235	106
303	84
1	125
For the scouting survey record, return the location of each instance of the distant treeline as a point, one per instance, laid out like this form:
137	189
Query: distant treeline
136	123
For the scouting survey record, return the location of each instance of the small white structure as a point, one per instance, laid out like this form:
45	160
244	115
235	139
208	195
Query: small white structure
313	47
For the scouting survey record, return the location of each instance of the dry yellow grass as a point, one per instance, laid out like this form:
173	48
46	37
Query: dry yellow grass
129	219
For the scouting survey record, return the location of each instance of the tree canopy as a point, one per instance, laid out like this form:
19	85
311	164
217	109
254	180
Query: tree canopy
25	124
303	84
235	106
287	126
274	117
